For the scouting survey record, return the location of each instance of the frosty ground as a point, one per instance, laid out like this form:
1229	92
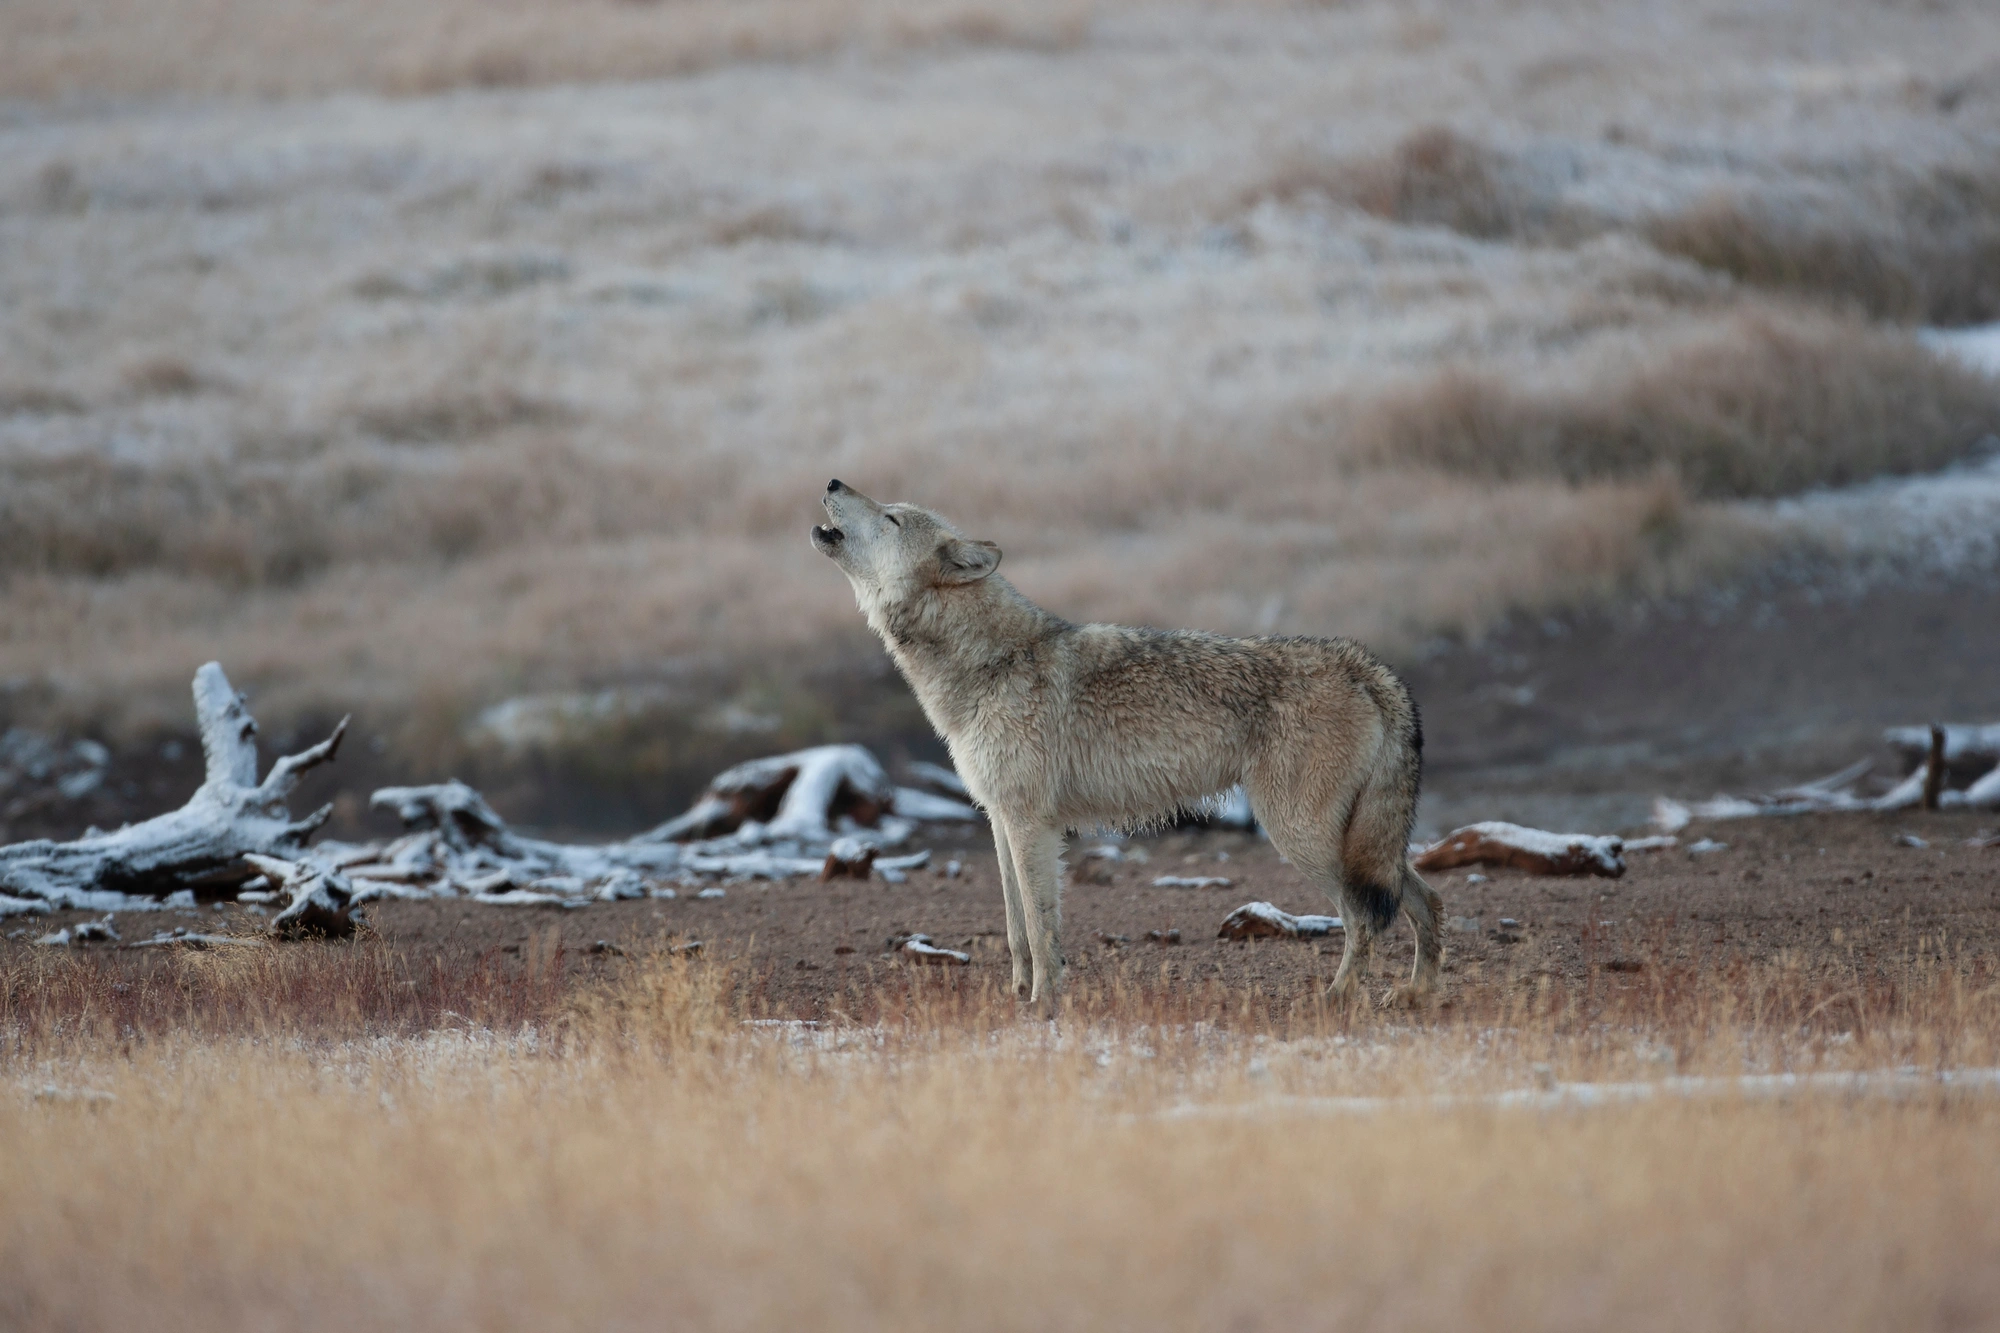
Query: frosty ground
490	413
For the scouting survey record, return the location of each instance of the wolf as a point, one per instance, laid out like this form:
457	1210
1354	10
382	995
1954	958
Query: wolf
1056	726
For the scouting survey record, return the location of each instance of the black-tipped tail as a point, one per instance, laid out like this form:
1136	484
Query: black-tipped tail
1373	905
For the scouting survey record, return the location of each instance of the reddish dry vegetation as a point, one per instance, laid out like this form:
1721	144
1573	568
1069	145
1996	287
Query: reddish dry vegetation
483	1123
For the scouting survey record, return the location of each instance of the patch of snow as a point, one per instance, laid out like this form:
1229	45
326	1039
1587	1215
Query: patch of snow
1976	348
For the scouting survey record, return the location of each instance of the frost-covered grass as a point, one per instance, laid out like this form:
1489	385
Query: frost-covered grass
1316	319
281	1145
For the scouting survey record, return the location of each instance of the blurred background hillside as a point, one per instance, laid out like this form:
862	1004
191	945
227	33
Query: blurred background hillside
1617	369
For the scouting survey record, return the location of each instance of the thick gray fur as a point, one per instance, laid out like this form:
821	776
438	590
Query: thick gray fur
1057	726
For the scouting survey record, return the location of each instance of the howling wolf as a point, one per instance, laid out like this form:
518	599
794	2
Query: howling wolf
1057	726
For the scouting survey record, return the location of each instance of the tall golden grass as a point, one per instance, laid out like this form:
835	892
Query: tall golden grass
630	1152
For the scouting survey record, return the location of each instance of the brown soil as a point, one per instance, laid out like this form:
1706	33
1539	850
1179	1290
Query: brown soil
1836	895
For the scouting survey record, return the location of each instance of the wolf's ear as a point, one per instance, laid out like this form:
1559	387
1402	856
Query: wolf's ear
966	562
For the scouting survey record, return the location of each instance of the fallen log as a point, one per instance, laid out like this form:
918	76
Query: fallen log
810	795
204	845
1500	844
1927	785
1962	743
1263	921
829	810
922	949
321	900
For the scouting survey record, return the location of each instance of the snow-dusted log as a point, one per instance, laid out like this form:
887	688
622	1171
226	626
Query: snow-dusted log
923	949
848	858
1981	795
1962	743
1263	921
320	900
202	845
810	795
182	938
1500	844
458	845
1834	794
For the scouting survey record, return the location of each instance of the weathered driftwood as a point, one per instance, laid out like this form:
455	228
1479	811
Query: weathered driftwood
1963	744
848	859
182	938
457	846
201	846
828	811
321	900
1263	921
923	949
1540	853
1945	753
810	795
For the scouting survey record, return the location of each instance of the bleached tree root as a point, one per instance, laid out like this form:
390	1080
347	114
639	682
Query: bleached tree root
1941	755
203	846
1254	921
829	811
813	795
923	949
1540	853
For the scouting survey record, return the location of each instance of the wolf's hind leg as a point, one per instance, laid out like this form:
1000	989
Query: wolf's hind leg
1354	954
1017	919
1426	911
1037	862
1305	832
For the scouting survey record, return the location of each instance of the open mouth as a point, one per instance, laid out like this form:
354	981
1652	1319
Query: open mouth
826	536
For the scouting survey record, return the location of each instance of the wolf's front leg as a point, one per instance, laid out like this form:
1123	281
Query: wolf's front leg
1037	861
1017	920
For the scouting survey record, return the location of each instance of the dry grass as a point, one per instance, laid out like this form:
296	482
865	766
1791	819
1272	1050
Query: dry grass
1760	407
1892	241
411	404
1911	247
632	1149
477	547
293	48
1433	176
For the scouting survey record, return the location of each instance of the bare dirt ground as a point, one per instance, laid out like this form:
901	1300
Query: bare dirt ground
1829	896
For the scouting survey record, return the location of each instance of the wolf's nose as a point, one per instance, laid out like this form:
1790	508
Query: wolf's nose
834	485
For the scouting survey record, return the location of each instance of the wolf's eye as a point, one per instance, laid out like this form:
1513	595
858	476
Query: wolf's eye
893	519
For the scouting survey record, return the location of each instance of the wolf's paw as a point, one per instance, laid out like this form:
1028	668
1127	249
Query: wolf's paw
1345	995
1410	997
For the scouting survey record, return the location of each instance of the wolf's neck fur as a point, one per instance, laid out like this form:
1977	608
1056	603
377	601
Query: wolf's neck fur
958	646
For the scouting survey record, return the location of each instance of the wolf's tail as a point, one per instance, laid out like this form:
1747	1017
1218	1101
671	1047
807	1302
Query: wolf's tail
1376	851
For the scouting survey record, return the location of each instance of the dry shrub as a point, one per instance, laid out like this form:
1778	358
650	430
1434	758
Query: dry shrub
164	376
446	415
53	1001
1771	405
1921	249
1433	176
38	400
251	526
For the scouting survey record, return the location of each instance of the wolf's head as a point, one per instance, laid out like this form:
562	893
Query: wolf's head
896	553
